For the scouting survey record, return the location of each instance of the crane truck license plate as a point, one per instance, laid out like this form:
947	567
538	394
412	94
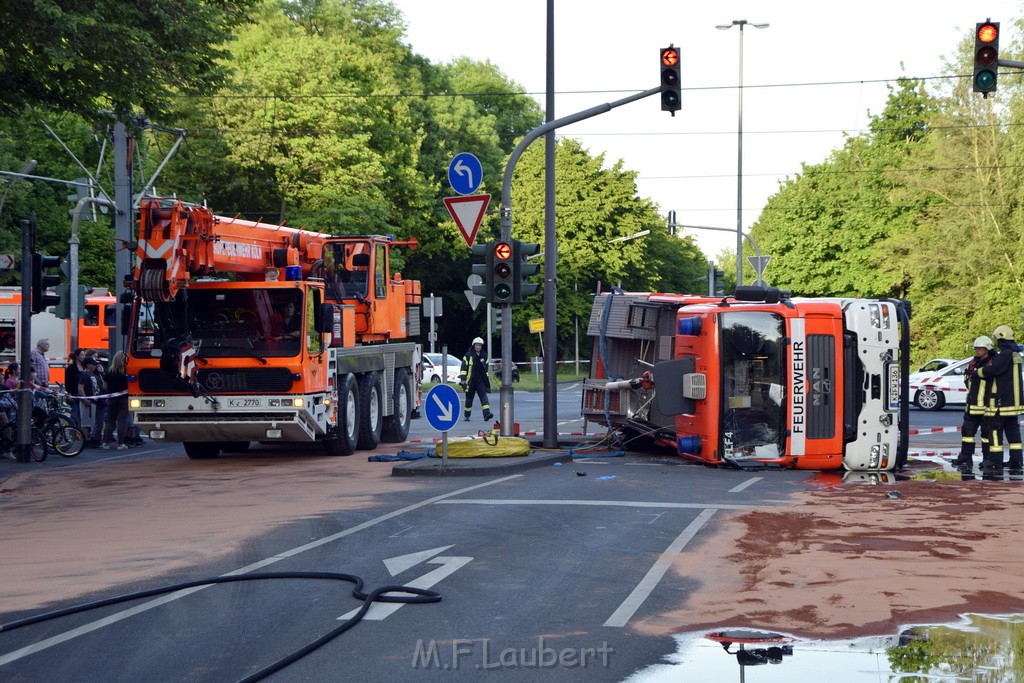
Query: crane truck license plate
244	402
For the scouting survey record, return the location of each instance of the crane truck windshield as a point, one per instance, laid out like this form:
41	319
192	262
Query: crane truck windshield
225	322
753	381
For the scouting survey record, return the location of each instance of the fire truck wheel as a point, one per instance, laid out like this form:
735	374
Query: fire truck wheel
371	411
202	450
396	427
342	441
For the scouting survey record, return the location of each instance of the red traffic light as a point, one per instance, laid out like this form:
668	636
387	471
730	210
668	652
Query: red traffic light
503	251
669	56
988	33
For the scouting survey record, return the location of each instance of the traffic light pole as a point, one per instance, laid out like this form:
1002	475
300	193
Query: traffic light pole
73	267
23	449
506	414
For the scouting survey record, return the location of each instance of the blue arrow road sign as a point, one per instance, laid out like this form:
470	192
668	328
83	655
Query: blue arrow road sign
442	407
465	173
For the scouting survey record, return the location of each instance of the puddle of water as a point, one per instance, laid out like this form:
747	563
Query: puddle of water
981	648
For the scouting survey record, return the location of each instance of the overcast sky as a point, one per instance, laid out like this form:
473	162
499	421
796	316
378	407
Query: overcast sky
607	50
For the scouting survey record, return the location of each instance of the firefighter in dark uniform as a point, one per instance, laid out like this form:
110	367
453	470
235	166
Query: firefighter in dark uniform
1005	401
974	410
473	379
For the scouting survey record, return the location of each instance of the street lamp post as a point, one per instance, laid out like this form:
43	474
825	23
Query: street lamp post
739	150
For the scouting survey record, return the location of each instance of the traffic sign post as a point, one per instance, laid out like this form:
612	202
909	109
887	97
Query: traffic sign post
758	263
442	408
473	298
465	173
468	213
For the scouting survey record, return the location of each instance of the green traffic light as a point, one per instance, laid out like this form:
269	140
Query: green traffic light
502	292
984	80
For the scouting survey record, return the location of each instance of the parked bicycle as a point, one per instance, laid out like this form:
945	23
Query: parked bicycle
9	432
59	430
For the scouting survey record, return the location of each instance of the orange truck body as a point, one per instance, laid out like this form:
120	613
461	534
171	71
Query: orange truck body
209	365
94	329
761	380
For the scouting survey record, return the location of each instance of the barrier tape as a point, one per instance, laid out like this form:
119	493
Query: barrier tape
934	430
66	397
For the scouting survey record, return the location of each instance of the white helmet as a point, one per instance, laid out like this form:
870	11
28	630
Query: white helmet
983	342
478	340
1004	332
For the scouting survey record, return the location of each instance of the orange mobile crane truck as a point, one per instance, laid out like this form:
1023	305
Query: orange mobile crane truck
757	378
243	331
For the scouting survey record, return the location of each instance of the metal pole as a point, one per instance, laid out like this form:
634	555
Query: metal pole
433	334
73	267
23	449
506	233
123	228
739	171
549	345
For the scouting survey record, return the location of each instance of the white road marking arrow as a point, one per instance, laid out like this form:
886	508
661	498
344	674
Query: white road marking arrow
446	415
462	169
397	565
380	610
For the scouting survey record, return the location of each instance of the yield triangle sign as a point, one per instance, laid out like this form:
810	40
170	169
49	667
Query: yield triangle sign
468	212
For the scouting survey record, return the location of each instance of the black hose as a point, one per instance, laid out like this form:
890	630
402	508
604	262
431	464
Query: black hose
418	595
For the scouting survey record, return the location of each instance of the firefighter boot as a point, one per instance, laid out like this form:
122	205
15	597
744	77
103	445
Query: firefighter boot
488	415
1015	462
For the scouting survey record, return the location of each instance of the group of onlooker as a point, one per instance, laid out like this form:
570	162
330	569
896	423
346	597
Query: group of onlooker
99	403
98	396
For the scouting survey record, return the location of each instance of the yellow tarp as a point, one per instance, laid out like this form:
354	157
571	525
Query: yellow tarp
478	447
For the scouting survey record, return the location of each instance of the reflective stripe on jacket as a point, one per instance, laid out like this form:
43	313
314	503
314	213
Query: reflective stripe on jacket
1005	398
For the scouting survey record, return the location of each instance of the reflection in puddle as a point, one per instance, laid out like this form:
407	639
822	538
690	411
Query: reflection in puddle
980	648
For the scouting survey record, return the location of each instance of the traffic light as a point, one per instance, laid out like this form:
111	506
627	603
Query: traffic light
671	88
523	269
42	281
986	56
716	287
483	270
62	308
496	319
502	270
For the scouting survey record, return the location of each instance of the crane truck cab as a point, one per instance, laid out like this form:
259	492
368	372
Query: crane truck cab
246	331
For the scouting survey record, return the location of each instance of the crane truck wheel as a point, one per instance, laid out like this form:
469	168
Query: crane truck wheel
201	450
342	441
371	411
396	427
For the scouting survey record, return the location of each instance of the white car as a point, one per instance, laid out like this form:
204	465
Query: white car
432	368
938	383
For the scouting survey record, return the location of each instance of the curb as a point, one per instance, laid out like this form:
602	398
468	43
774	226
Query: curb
477	467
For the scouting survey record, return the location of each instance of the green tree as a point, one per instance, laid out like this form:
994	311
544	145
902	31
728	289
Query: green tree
125	56
829	228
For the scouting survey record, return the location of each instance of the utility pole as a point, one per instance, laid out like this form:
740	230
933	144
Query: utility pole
123	233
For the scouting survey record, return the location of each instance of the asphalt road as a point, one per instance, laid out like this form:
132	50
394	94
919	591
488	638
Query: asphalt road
544	572
548	570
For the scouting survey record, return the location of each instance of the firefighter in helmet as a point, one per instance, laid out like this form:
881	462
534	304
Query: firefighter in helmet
473	378
1005	401
974	410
